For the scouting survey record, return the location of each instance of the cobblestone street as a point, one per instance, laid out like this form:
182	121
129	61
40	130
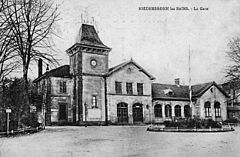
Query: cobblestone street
73	141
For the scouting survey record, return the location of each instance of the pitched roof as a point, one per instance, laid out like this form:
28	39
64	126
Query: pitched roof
62	71
122	65
199	89
112	69
181	92
88	35
178	92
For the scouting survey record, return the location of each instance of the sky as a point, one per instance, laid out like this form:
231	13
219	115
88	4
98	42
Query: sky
158	40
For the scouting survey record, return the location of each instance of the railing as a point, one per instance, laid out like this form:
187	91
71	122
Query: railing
22	131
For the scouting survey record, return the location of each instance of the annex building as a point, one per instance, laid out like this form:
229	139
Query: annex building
88	91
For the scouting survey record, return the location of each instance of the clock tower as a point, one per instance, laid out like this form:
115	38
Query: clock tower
88	65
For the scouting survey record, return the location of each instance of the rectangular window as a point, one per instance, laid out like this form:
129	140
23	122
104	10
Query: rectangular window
140	88
94	101
63	87
129	88
118	87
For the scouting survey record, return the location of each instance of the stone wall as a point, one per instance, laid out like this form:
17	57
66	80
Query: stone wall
134	75
212	95
57	98
101	66
55	86
93	86
55	101
113	100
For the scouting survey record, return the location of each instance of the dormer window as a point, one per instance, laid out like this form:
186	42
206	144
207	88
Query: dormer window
168	92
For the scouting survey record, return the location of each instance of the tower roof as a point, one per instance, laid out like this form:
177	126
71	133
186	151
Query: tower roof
88	35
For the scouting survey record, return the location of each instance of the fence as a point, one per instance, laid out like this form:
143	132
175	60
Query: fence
22	131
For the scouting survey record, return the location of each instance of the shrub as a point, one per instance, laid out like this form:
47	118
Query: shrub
192	123
13	125
213	124
30	120
231	120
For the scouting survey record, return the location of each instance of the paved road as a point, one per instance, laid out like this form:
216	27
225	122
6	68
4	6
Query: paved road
118	141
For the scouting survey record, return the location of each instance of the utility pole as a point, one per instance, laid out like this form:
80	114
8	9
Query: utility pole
190	81
86	112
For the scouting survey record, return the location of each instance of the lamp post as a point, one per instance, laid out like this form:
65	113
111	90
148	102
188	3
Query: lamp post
8	110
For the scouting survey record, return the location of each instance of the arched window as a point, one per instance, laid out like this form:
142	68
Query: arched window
207	107
217	109
168	111
158	110
187	111
177	110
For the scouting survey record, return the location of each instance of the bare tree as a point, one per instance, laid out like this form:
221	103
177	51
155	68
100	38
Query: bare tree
8	57
233	70
31	23
8	61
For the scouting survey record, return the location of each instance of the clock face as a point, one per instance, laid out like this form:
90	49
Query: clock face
93	62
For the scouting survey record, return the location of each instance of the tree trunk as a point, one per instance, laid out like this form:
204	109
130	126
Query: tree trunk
26	101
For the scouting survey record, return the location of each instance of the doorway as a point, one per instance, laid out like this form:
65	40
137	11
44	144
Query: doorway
122	113
62	111
137	113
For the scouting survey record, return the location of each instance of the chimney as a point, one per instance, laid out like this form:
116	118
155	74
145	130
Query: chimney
177	81
39	67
